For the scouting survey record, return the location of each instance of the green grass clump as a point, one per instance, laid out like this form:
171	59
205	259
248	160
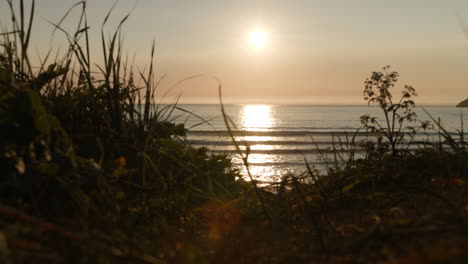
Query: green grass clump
93	162
94	171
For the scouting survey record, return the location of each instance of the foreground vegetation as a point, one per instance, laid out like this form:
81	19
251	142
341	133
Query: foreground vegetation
93	171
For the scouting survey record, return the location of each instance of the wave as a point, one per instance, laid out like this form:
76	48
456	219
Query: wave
284	143
254	142
284	151
282	164
305	128
285	133
275	133
279	143
318	151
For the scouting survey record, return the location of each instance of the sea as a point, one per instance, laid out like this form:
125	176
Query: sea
277	140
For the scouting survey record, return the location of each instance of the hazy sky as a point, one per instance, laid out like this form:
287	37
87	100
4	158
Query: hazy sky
317	51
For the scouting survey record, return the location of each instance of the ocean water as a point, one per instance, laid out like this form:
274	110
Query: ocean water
280	138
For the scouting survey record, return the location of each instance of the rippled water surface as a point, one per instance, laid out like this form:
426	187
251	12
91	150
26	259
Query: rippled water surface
280	138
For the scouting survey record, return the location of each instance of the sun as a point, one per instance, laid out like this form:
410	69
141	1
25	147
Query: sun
258	38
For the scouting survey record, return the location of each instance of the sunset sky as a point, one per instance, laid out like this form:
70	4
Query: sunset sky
277	51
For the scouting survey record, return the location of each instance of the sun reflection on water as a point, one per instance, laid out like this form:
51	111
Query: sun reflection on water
260	118
265	168
256	138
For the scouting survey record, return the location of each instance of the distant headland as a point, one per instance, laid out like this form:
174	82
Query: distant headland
463	103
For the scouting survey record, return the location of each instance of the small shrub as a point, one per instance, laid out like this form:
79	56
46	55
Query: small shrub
397	111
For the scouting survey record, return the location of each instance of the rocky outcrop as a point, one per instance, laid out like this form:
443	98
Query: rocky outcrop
463	104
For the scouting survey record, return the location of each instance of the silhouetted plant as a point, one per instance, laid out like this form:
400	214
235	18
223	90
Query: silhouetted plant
396	112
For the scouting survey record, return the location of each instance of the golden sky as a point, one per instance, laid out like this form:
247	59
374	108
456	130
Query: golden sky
276	51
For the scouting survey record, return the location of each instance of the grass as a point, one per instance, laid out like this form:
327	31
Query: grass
93	171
